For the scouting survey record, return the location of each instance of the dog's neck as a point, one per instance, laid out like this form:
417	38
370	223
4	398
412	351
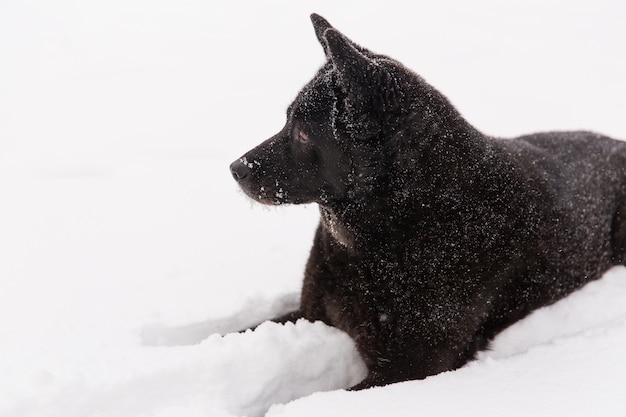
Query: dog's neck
336	227
399	202
354	222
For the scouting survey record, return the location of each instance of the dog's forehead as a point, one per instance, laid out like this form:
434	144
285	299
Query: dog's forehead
315	96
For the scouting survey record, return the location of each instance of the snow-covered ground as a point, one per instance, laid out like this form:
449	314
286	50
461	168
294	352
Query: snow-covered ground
125	245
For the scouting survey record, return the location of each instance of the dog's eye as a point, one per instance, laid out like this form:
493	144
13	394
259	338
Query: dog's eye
302	137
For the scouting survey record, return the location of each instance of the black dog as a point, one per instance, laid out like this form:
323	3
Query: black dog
433	236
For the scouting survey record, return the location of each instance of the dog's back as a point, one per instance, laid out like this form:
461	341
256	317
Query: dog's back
587	174
568	225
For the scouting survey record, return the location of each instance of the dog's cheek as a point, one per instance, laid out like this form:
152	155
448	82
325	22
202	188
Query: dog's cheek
335	173
305	185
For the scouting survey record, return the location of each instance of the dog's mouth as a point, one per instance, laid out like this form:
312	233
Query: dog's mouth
264	196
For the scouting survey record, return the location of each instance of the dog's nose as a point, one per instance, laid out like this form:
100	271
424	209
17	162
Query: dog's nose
239	170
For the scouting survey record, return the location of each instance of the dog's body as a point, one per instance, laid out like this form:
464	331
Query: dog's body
433	237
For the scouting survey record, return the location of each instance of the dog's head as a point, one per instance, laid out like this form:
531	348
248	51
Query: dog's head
335	143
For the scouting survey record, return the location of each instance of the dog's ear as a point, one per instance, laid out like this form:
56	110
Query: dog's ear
346	58
320	25
361	76
370	87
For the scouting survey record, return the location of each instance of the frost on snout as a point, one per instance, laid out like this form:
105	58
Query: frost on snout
255	180
266	173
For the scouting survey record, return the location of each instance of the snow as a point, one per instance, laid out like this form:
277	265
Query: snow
126	246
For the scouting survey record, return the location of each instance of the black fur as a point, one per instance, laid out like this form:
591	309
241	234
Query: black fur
433	236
